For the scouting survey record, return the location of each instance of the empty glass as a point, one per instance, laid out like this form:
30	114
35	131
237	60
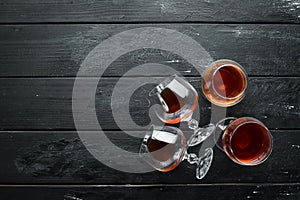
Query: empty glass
165	147
178	100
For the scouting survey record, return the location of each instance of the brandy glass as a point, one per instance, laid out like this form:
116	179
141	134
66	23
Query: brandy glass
178	100
245	140
224	83
165	147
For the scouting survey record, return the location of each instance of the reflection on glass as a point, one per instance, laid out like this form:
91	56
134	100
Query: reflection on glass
165	147
224	83
245	140
178	100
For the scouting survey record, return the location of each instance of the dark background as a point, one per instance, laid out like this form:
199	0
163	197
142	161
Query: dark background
43	43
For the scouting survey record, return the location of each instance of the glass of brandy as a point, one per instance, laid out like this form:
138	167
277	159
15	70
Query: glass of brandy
224	83
245	140
165	147
178	100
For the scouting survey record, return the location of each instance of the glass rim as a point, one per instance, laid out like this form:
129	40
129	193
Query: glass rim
180	112
157	89
146	155
264	155
153	127
233	64
165	82
145	139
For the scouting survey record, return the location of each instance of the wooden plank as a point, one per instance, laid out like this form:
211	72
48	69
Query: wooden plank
268	50
223	192
46	103
143	11
40	157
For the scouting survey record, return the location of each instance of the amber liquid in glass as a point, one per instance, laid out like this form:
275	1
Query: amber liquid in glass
173	101
246	142
162	151
224	85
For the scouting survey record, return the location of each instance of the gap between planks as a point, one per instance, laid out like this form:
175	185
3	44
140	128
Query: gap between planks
111	77
94	130
149	185
149	22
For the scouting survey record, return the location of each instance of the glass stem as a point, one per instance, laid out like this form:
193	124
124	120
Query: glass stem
191	158
200	134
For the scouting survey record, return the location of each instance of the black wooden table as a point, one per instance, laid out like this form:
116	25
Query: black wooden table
42	45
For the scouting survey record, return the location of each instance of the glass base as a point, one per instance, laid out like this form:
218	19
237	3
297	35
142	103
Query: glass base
204	163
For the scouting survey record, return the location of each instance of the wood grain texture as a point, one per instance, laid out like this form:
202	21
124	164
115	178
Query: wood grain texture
46	103
12	11
59	50
40	157
40	40
223	192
